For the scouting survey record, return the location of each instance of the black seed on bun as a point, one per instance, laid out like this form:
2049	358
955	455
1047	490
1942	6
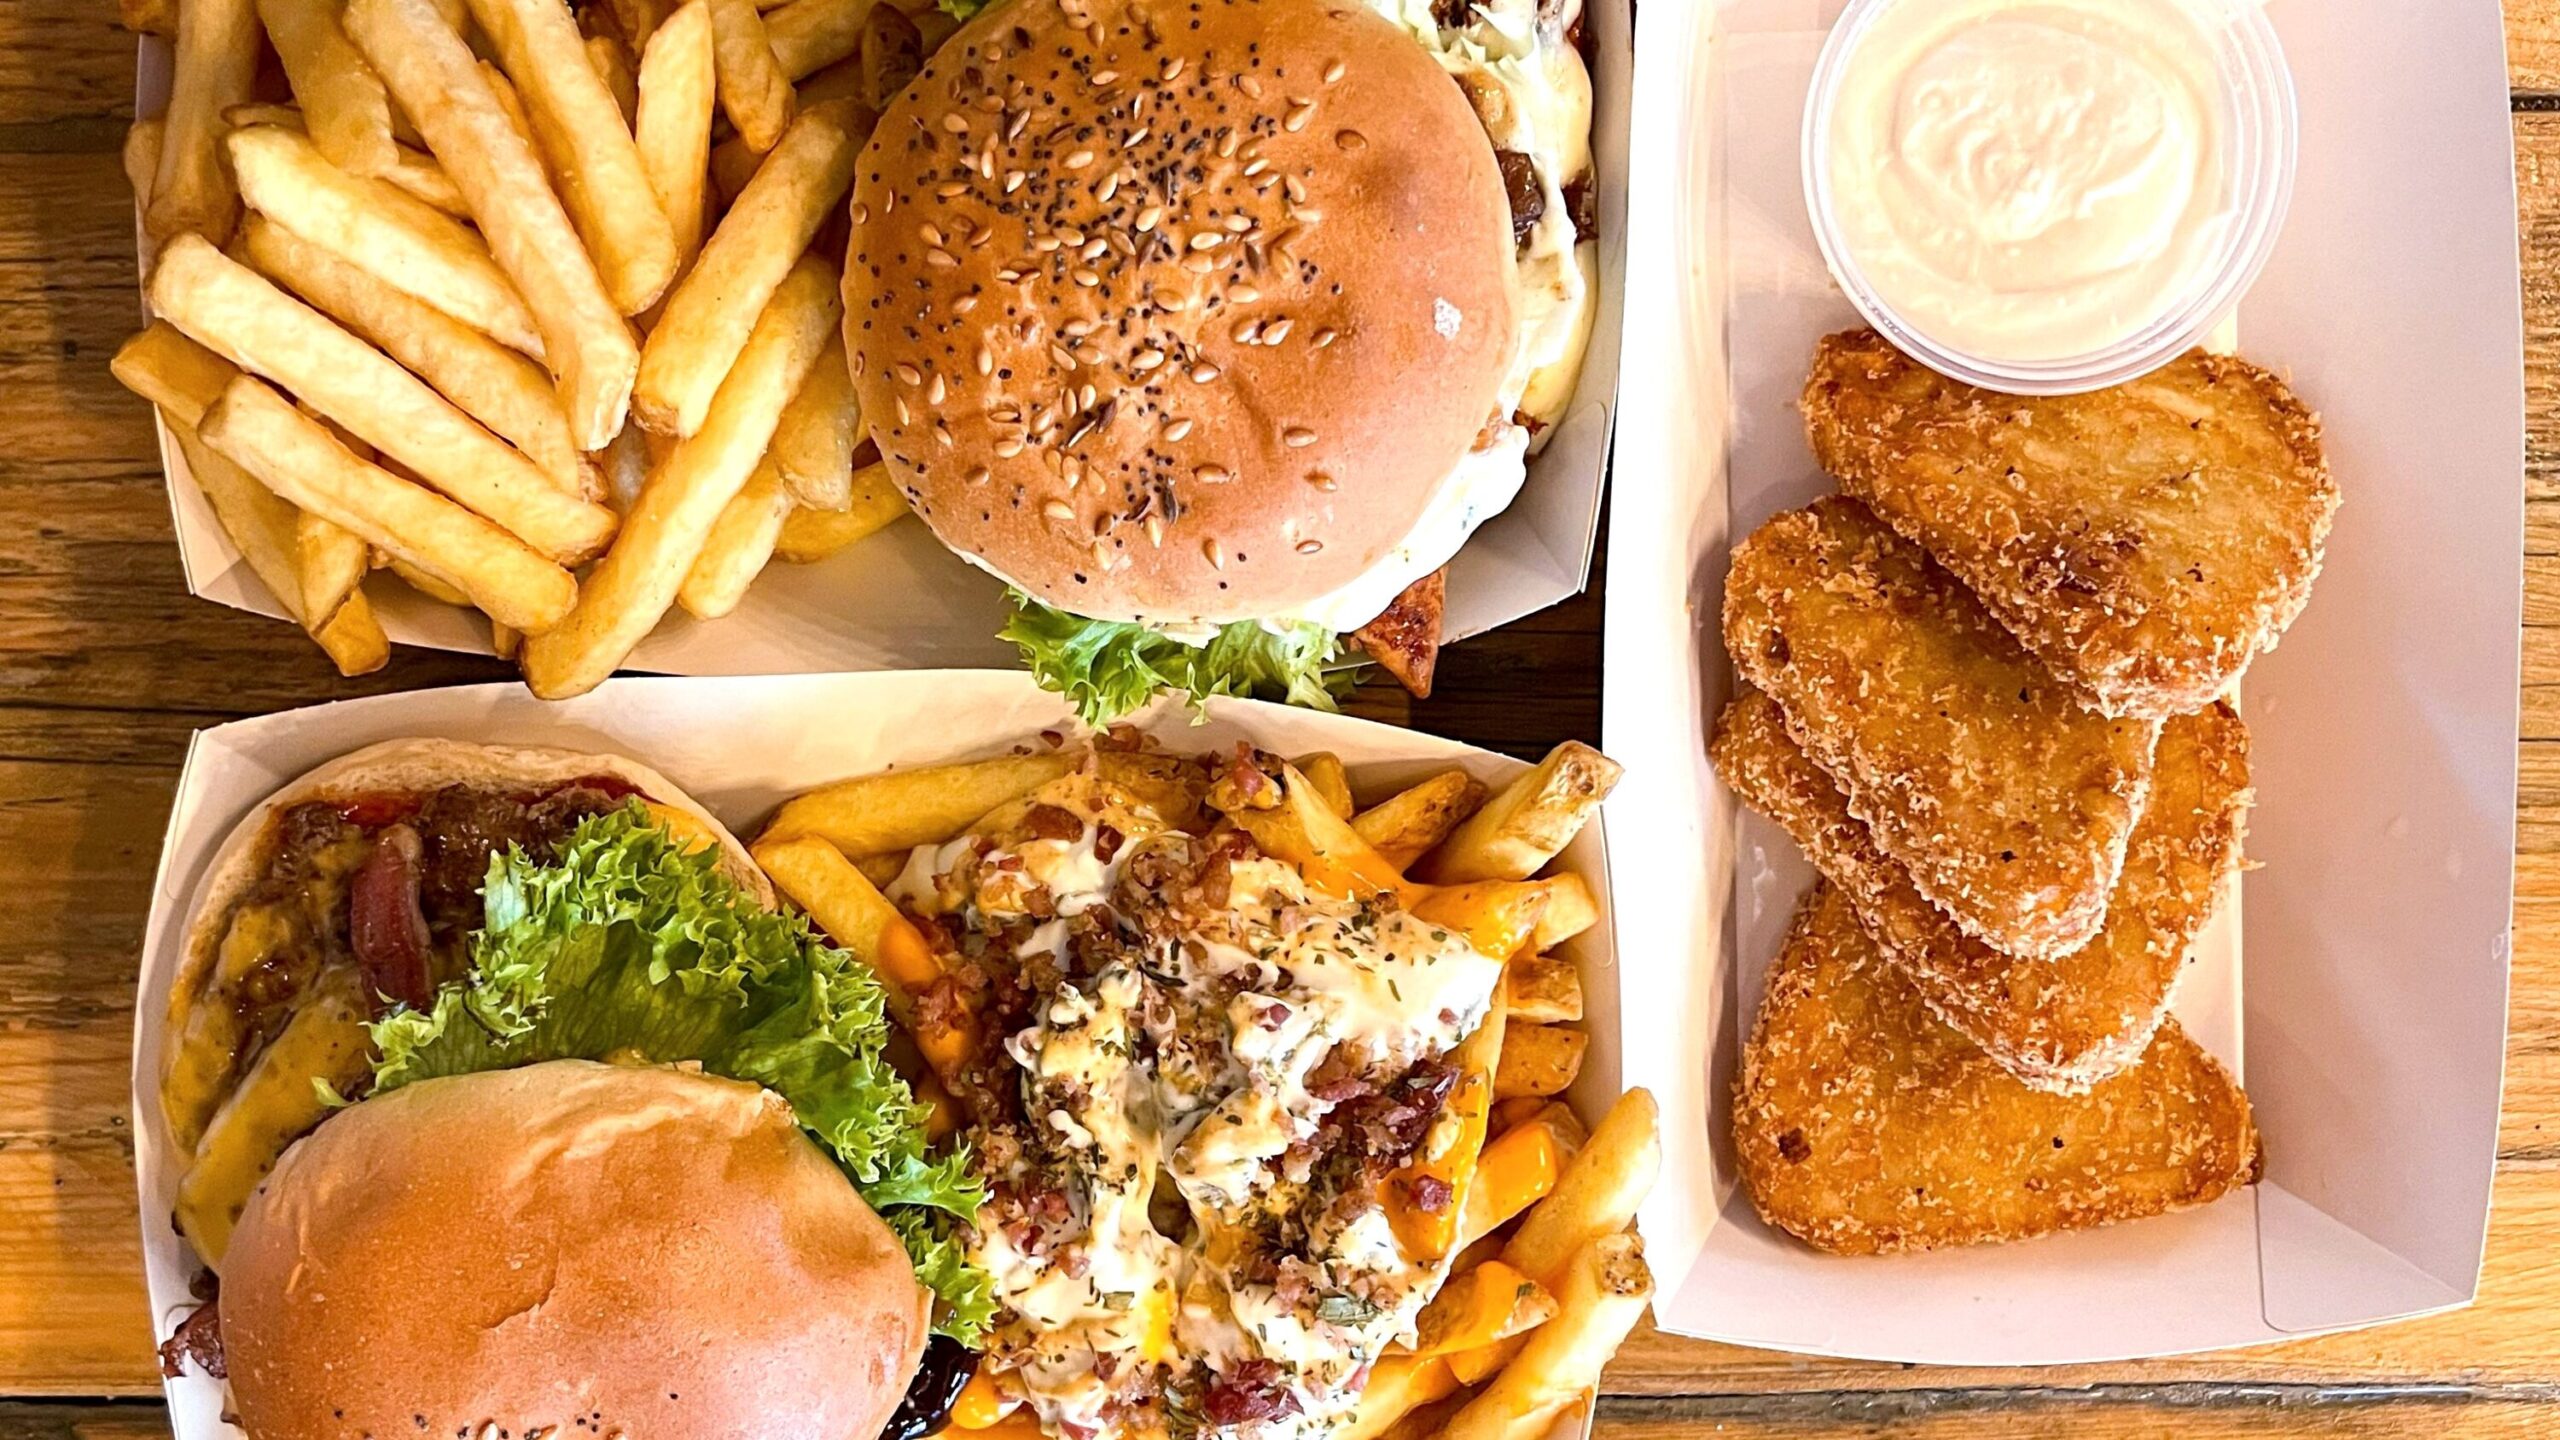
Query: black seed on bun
1179	311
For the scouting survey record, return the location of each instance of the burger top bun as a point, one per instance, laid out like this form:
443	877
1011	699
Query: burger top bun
568	1248
1178	310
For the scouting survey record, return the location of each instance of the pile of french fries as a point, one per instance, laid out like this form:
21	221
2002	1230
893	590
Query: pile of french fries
535	307
1545	1276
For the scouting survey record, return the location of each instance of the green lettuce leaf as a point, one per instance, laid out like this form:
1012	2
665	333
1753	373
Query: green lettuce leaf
626	944
1109	668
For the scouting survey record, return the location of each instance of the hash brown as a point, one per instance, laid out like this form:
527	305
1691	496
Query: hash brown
1865	1127
2145	540
2060	1025
2009	803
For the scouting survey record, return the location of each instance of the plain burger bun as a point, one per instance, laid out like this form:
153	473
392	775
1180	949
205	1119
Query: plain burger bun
1179	310
568	1248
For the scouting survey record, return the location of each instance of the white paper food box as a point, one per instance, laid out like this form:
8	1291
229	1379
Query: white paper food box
2370	1027
898	600
740	746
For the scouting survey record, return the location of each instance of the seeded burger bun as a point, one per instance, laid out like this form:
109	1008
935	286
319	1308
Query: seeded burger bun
572	1249
1179	310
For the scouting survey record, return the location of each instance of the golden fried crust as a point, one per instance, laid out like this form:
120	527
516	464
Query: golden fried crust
2145	540
2009	803
2059	1025
1864	1127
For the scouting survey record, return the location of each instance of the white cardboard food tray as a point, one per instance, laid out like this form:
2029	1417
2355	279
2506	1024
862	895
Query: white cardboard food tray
898	600
2371	1026
740	746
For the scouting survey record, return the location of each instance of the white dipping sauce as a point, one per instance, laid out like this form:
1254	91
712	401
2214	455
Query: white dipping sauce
2030	180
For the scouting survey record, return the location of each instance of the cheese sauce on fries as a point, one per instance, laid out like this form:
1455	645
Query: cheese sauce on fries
1196	1076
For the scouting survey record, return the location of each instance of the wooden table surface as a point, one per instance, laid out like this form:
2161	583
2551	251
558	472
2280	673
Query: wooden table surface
106	666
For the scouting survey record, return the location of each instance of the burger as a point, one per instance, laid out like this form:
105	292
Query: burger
1214	327
510	1098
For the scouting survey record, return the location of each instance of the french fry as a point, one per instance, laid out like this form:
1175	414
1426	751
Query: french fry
215	68
754	92
345	108
1571	909
672	125
260	525
511	105
860	919
581	127
813	535
330	562
1425	1199
489	382
1603	1295
1542	989
1520	1166
243	317
414	171
1398	1385
1324	771
1520	830
1539	1060
406	242
896	810
1597	1194
809	35
1498	917
1489	1303
297	458
433	588
631	588
708	318
142	157
740	544
733	167
586	344
638	20
893	52
504	639
163	366
148	17
1291	822
613	67
1408	823
814	443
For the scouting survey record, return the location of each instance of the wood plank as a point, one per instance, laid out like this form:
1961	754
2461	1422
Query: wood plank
2533	46
2087	1415
65	62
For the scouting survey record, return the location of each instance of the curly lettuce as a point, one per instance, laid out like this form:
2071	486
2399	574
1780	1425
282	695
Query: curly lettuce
625	944
1108	668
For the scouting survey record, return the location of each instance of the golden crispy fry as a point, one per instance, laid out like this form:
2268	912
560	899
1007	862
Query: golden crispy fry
813	446
344	105
613	67
216	65
707	319
1571	909
630	589
740	544
586	344
1521	1165
896	810
1539	1060
754	92
1597	1195
1863	1126
1485	1304
893	52
441	592
1515	834
1324	771
261	526
1269	800
1411	821
244	318
1970	763
142	140
2059	1024
1543	989
1398	1385
672	125
2144	541
331	562
489	382
409	243
148	17
810	35
171	371
1602	1295
297	458
813	535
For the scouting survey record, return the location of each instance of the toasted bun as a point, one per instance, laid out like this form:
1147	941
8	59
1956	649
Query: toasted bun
573	1249
401	767
1179	311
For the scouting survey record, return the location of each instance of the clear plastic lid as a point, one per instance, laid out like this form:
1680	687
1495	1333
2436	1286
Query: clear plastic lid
2256	143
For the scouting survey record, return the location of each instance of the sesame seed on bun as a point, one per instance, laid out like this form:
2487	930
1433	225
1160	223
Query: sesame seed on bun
1179	311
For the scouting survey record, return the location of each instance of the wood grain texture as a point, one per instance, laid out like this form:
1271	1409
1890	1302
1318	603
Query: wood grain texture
106	667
